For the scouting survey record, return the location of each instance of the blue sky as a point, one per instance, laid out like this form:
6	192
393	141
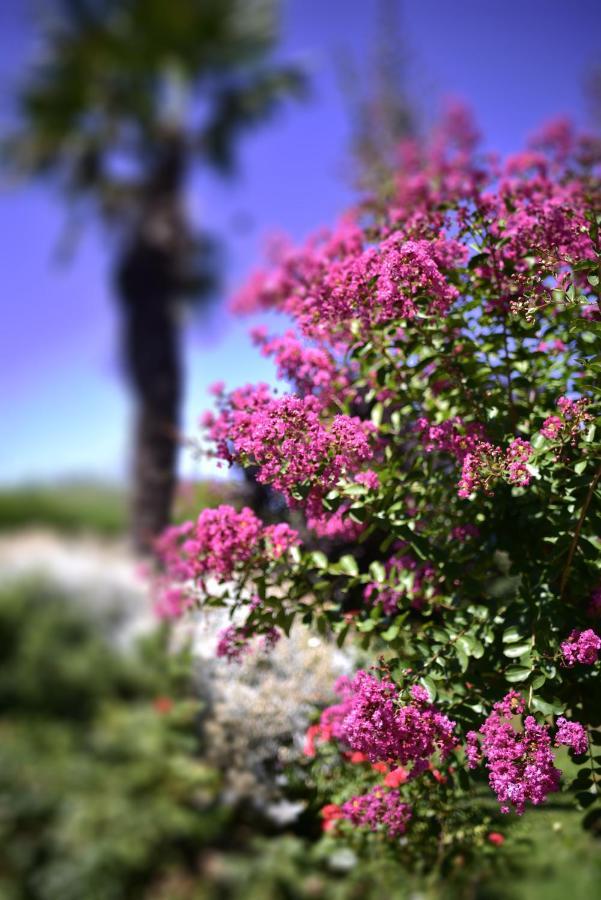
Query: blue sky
64	406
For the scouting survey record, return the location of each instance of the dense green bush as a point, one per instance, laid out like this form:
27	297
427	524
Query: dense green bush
101	786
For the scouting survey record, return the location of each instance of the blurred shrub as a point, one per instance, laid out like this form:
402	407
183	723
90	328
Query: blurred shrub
67	507
101	786
87	506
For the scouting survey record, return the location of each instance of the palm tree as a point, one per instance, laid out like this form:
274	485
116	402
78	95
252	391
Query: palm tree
127	96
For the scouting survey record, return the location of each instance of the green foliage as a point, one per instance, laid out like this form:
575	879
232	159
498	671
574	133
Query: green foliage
68	507
118	76
101	786
73	507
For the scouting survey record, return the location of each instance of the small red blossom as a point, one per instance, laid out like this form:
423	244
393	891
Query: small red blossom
357	757
496	838
163	705
330	811
396	777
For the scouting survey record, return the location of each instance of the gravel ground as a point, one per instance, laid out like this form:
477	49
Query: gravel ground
256	712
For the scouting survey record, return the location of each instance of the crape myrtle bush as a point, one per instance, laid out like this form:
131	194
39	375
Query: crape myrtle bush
440	438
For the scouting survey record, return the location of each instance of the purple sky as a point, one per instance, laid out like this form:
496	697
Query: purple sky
63	404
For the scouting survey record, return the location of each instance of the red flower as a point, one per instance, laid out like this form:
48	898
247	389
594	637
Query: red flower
163	705
396	777
309	744
380	767
496	838
357	757
330	812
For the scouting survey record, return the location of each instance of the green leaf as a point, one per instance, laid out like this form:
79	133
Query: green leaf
377	571
319	559
542	706
348	565
376	414
391	632
429	685
511	635
463	659
515	650
585	799
516	674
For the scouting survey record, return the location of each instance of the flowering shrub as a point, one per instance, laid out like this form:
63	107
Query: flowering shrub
439	453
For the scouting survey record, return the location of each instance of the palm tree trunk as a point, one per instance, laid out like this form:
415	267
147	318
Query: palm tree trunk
148	284
151	348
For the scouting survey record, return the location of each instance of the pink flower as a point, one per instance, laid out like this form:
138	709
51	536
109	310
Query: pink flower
233	643
378	810
520	762
551	427
368	479
356	758
222	544
280	538
373	720
571	734
309	744
581	647
518	454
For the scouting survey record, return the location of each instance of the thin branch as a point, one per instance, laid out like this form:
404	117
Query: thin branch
587	501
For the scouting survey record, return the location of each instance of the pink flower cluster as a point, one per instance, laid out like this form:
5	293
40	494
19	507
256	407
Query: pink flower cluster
517	456
216	544
481	462
338	277
571	734
287	440
221	543
552	428
581	647
520	760
487	463
378	810
170	602
234	642
373	719
463	533
407	579
520	763
574	414
453	436
408	270
368	479
531	207
312	370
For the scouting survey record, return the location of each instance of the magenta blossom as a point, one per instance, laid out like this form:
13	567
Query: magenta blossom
581	647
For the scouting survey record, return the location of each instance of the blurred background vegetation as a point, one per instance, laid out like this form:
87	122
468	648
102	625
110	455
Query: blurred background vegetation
131	765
